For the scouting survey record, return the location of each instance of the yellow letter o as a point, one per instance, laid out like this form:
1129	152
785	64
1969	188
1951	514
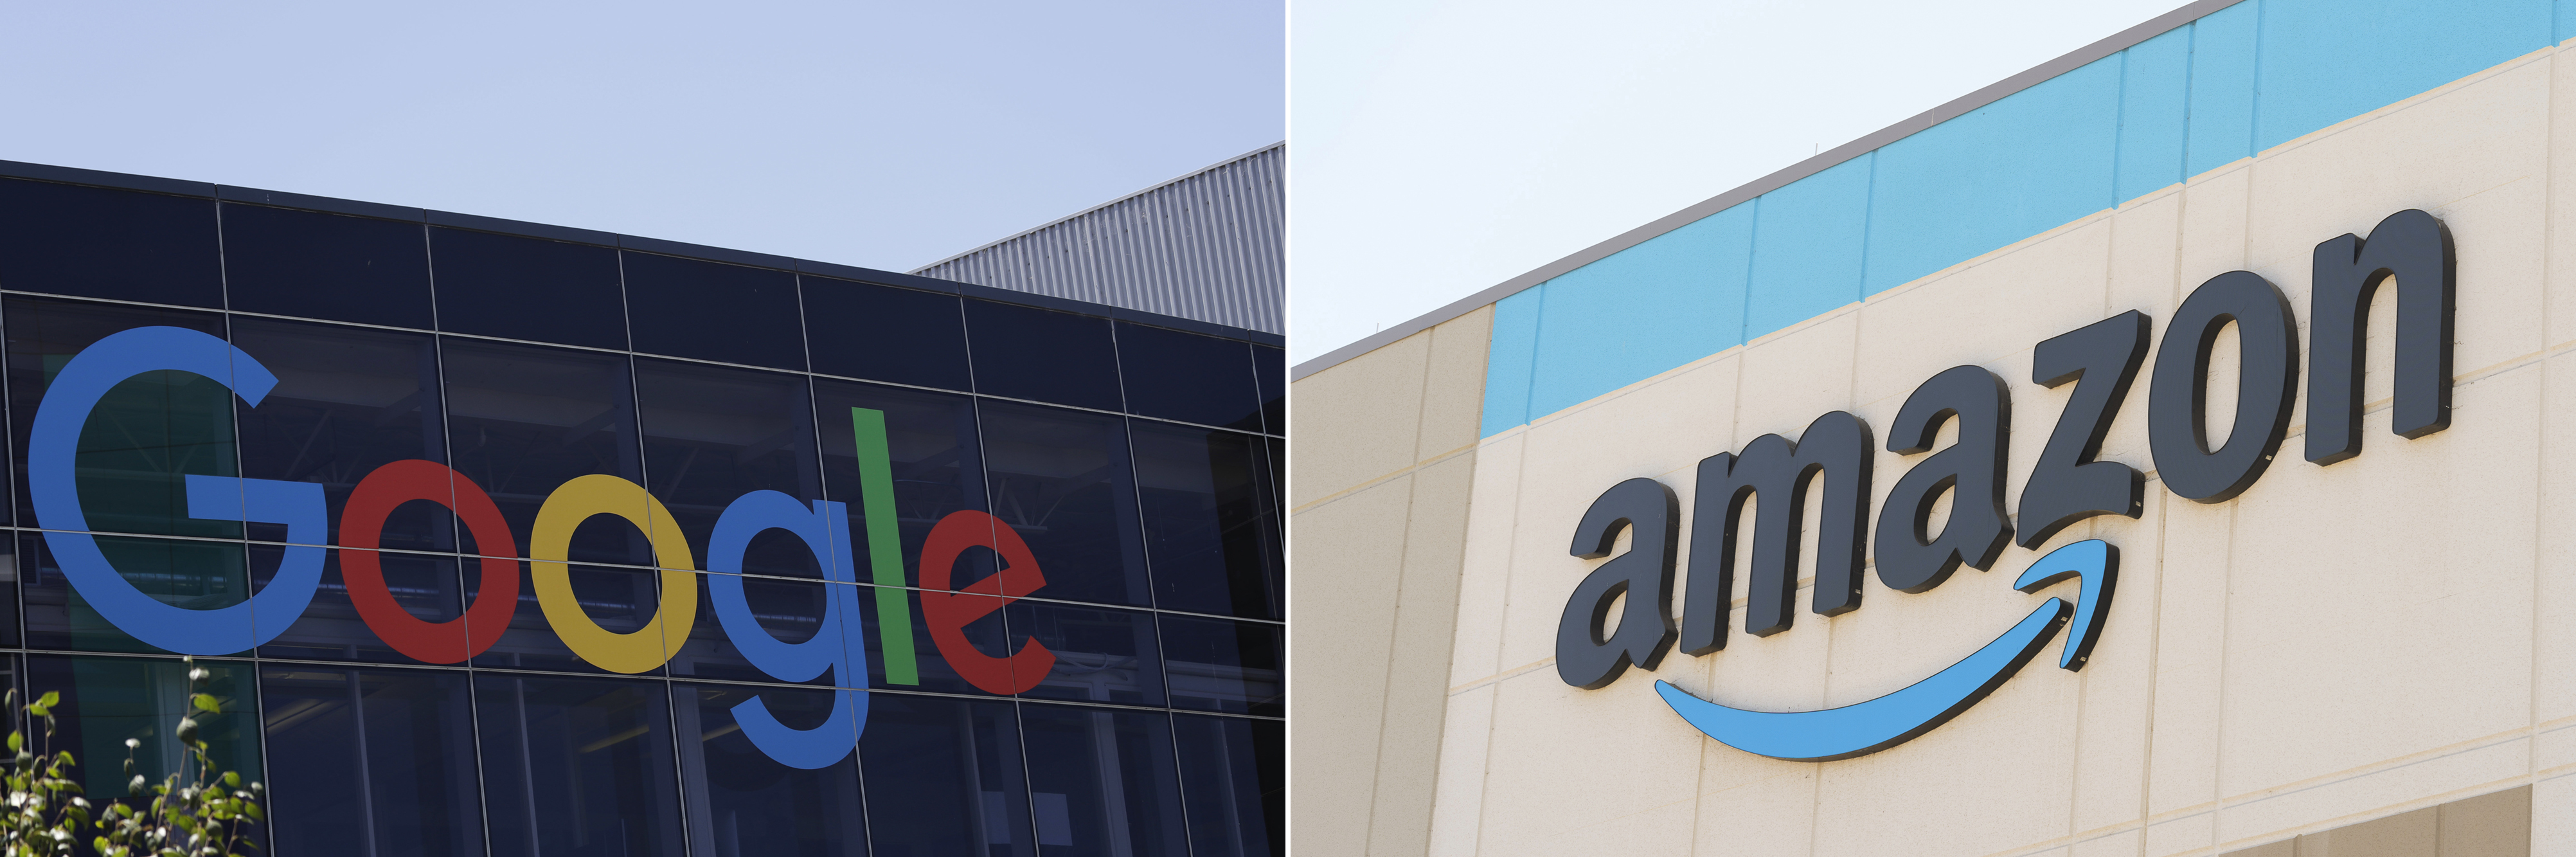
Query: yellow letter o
549	547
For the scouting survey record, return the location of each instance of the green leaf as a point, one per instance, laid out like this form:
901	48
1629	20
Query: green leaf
50	699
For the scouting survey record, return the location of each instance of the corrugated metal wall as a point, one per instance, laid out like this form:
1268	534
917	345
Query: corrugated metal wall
1206	246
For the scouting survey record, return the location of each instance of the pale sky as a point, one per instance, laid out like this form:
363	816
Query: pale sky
887	135
1439	147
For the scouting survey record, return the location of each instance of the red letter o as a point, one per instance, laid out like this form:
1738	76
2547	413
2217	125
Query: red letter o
362	522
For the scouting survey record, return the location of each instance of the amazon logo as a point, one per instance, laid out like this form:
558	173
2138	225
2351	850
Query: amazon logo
2066	485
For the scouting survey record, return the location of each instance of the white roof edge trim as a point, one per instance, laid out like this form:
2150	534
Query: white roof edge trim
1962	105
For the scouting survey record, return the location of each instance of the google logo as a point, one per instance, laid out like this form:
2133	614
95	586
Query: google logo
835	647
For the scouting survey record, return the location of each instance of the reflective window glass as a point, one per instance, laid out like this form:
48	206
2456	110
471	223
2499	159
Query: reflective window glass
426	587
789	611
1102	782
523	420
944	778
713	311
934	466
1061	480
371	761
617	599
1028	353
197	575
1213	548
348	400
304	263
713	434
1270	366
108	700
884	333
910	657
100	243
742	803
146	434
1234	777
1217	665
527	288
1101	654
1188	377
578	766
10	574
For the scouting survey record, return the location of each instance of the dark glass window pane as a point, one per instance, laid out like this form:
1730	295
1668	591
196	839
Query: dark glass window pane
1234	780
944	778
425	585
522	420
1101	654
790	610
304	263
934	466
372	761
621	600
1103	781
885	333
1212	547
1216	665
199	575
711	311
527	288
108	700
1027	353
146	434
746	804
1270	365
1188	377
13	562
100	243
713	434
577	766
348	400
1278	461
932	670
1062	480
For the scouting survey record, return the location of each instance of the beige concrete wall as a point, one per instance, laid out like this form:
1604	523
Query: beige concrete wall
1382	449
2337	645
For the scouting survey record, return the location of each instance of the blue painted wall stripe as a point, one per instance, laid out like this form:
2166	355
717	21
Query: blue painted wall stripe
1636	314
1514	350
2155	82
2236	81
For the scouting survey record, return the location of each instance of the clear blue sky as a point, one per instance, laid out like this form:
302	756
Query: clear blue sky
1445	146
887	135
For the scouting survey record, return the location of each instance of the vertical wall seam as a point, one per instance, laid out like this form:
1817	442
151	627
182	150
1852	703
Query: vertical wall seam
2254	108
2190	64
1529	379
2119	125
1868	212
2540	435
1394	633
2155	679
1752	245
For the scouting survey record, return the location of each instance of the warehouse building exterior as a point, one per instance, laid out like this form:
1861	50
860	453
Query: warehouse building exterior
2159	452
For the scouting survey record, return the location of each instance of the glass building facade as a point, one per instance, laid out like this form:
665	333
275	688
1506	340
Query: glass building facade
609	546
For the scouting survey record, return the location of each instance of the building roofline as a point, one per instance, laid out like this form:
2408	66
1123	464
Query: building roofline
1078	215
430	217
1956	107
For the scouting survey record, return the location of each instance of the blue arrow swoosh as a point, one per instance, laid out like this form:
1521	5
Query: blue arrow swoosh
1868	727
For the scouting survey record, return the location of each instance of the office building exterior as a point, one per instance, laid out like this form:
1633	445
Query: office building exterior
508	539
2160	452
